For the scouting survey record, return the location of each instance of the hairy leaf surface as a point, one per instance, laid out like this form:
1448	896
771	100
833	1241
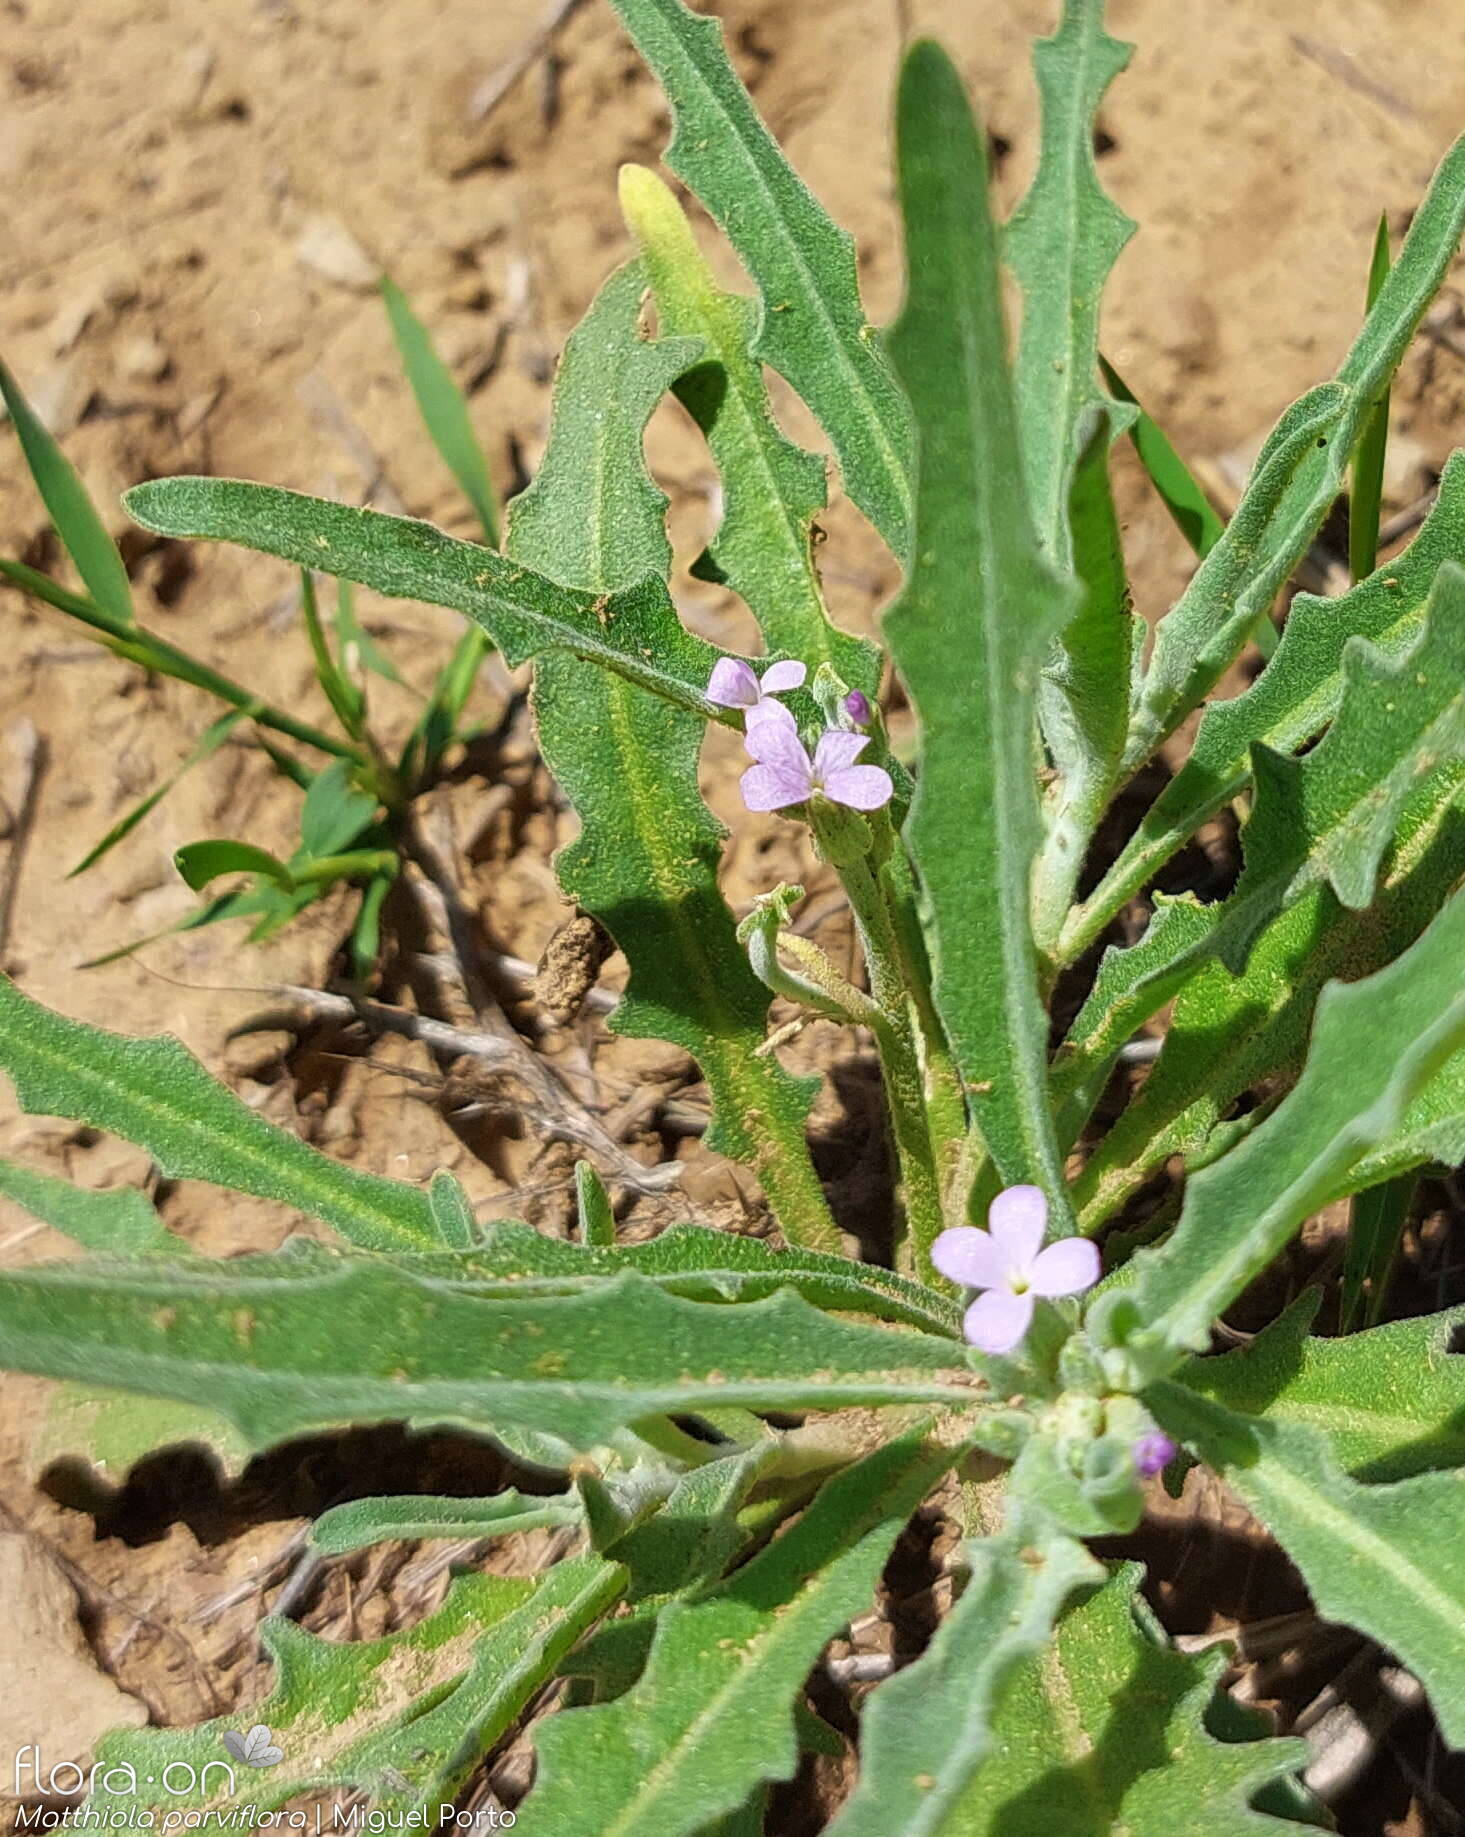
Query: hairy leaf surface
1301	469
1294	698
1061	242
1385	1559
1374	1045
1389	1402
926	1733
970	633
711	1717
634	632
404	1719
813	328
309	1340
153	1092
645	863
1107	1731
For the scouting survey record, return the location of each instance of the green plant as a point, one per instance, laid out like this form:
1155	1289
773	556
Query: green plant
355	814
719	1553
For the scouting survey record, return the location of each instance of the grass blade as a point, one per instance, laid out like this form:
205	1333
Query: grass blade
77	523
1367	491
443	408
1180	491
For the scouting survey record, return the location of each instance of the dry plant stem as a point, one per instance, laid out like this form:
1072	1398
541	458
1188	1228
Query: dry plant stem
438	897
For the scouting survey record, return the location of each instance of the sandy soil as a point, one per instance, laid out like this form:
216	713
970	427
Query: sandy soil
195	198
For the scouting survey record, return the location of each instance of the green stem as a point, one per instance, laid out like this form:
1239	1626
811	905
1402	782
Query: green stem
946	1106
900	1060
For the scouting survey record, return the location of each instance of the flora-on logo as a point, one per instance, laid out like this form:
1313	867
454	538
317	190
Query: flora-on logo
255	1749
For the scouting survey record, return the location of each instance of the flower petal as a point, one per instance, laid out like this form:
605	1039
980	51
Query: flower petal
968	1256
789	674
1017	1218
1065	1268
776	742
768	710
732	684
769	787
860	787
838	749
996	1321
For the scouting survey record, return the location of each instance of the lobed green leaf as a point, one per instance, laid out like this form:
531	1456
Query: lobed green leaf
1375	1043
403	1719
926	1733
309	1340
1389	1403
645	863
813	329
1293	699
1300	470
1385	1559
153	1092
711	1716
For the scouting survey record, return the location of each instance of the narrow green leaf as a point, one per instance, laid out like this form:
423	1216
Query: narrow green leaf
443	408
366	931
592	1205
772	490
1385	1559
201	862
1293	699
1376	1223
971	630
1108	1732
347	698
207	744
1300	470
155	1093
452	1212
813	328
926	1732
312	1340
1374	1044
363	1522
1061	242
1367	488
634	632
645	863
1231	1034
121	1222
78	606
355	645
335	811
404	1719
1390	1402
77	523
711	1717
1180	492
437	727
1431	1129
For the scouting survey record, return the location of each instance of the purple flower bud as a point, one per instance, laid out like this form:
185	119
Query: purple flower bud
857	706
1153	1452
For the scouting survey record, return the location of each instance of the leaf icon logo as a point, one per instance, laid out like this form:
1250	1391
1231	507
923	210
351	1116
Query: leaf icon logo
254	1749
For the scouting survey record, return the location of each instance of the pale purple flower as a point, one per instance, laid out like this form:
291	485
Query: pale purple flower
1009	1262
1152	1453
857	706
733	684
785	774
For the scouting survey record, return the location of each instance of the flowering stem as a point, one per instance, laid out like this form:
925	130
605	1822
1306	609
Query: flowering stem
945	1101
893	1024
